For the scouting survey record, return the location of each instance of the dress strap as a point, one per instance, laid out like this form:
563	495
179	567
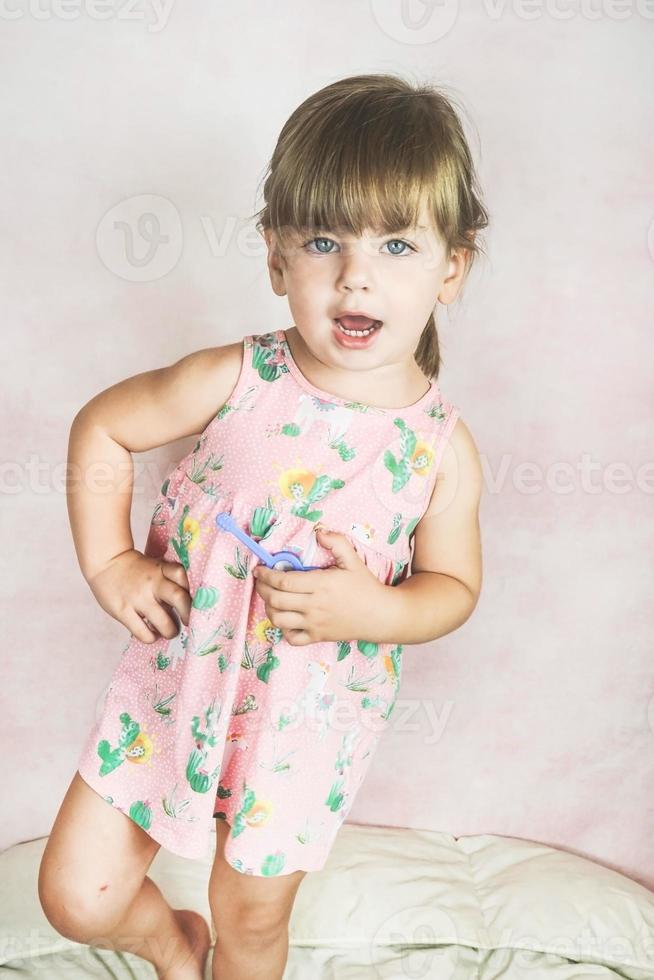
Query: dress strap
445	416
246	382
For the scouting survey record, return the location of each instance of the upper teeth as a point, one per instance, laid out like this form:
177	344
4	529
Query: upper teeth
357	333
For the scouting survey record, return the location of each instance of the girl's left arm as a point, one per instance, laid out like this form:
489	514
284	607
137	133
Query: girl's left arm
446	572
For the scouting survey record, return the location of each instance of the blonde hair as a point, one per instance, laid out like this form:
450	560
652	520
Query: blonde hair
366	151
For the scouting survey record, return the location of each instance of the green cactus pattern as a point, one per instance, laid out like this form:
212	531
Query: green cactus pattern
180	543
200	780
273	864
141	813
112	758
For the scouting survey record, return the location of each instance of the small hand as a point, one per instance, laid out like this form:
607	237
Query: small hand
135	588
327	604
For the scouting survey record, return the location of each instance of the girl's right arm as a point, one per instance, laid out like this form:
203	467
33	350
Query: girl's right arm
137	414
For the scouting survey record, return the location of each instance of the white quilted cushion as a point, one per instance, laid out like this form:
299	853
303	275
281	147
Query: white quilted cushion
390	903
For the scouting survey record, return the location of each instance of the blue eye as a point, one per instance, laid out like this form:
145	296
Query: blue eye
312	240
392	241
400	241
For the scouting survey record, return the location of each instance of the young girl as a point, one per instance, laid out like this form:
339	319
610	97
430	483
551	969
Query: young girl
264	706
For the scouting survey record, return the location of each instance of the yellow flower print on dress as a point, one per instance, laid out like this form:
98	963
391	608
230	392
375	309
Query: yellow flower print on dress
134	744
305	488
266	632
296	484
259	814
188	530
141	748
253	813
417	457
422	459
189	533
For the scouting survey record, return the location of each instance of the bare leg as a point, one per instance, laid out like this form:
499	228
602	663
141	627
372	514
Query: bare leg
240	961
93	888
251	914
175	941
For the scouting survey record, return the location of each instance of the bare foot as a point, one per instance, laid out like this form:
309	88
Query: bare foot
196	930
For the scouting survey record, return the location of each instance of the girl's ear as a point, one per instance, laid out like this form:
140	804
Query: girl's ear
456	268
275	267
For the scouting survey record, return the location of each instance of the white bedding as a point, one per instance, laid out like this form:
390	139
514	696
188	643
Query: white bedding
391	903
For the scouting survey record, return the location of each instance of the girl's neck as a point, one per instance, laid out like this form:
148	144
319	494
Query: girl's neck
353	388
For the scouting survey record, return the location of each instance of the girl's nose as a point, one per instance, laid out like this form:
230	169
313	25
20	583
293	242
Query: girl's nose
354	270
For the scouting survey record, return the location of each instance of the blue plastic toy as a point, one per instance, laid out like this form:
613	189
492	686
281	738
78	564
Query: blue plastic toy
284	560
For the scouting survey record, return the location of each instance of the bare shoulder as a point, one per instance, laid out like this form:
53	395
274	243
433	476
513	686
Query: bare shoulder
159	406
210	375
447	537
460	473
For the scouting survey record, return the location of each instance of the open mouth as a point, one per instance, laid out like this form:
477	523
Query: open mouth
352	330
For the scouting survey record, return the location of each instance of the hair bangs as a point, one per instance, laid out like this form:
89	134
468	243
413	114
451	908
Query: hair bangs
365	163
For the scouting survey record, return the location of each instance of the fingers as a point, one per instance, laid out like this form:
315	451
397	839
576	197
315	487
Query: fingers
176	573
176	596
297	638
287	581
284	601
137	627
283	619
159	619
160	613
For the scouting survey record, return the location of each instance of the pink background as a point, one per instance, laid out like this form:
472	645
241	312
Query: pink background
536	718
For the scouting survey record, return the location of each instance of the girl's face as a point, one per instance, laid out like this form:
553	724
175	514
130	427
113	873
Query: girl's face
396	279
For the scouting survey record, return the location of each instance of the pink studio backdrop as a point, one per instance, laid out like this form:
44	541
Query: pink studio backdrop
536	718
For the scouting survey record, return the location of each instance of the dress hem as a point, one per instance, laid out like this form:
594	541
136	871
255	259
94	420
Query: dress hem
184	853
190	854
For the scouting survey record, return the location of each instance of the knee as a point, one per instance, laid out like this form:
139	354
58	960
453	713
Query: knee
254	925
74	910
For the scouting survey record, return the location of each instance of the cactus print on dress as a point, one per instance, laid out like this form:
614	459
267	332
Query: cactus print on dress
227	719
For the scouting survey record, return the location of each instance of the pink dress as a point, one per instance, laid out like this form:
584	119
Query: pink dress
228	719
